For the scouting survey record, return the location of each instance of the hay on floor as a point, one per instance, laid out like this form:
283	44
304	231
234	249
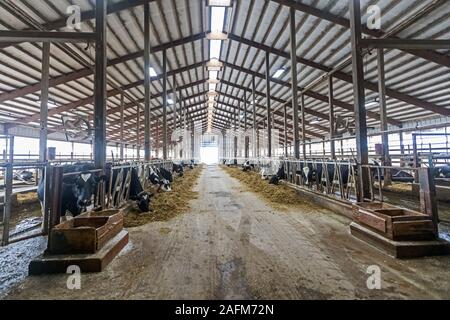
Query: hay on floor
281	196
167	205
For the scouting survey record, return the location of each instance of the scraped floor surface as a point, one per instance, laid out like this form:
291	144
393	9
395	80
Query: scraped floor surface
231	245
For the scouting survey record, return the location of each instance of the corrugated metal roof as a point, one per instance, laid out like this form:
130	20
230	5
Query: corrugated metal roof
321	41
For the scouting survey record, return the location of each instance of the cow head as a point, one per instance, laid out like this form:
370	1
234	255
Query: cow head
165	185
84	187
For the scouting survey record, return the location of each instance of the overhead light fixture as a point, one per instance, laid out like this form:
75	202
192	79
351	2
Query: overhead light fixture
315	121
217	35
212	93
213	81
279	73
170	101
153	72
214	65
219	3
372	103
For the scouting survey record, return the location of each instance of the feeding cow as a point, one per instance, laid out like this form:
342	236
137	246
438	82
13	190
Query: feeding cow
442	171
281	175
247	166
156	178
76	190
136	190
178	168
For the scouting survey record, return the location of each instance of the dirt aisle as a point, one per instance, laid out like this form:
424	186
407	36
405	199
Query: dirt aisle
231	245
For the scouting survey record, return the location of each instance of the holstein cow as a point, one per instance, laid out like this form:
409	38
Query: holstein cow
136	190
442	172
77	190
178	168
23	175
247	166
157	179
281	175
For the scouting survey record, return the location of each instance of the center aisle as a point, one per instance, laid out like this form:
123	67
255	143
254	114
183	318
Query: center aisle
231	245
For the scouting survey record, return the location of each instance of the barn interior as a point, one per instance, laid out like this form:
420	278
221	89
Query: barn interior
225	149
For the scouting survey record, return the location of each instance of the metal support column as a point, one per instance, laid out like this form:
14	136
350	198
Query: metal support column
100	85
383	116
359	100
175	102
164	105
8	193
285	131
122	125
331	116
147	80
294	73
138	133
44	102
302	99
255	150
269	125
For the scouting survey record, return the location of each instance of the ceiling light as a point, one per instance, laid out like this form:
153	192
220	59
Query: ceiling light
372	103
279	73
217	35
213	81
219	3
315	121
214	65
153	72
212	93
170	101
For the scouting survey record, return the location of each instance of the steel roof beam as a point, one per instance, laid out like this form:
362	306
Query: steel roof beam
346	77
46	36
429	55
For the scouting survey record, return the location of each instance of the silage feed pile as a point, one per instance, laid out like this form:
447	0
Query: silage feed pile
280	196
167	205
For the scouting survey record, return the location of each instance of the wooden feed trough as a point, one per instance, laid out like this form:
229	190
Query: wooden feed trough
89	241
401	233
395	223
86	233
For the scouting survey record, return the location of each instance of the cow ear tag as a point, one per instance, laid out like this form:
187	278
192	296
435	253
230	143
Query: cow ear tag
85	176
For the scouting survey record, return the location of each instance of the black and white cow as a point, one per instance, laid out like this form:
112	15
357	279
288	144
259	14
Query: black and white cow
178	168
136	190
157	179
77	190
247	166
281	175
23	175
442	171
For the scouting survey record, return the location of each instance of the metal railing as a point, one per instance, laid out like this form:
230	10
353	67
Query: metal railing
337	179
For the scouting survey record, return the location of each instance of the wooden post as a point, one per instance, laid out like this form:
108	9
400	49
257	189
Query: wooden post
293	47
100	85
428	202
359	100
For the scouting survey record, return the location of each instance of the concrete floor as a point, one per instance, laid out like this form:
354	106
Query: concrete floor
231	245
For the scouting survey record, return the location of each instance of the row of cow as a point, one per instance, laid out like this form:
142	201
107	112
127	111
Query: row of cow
80	184
311	169
318	171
